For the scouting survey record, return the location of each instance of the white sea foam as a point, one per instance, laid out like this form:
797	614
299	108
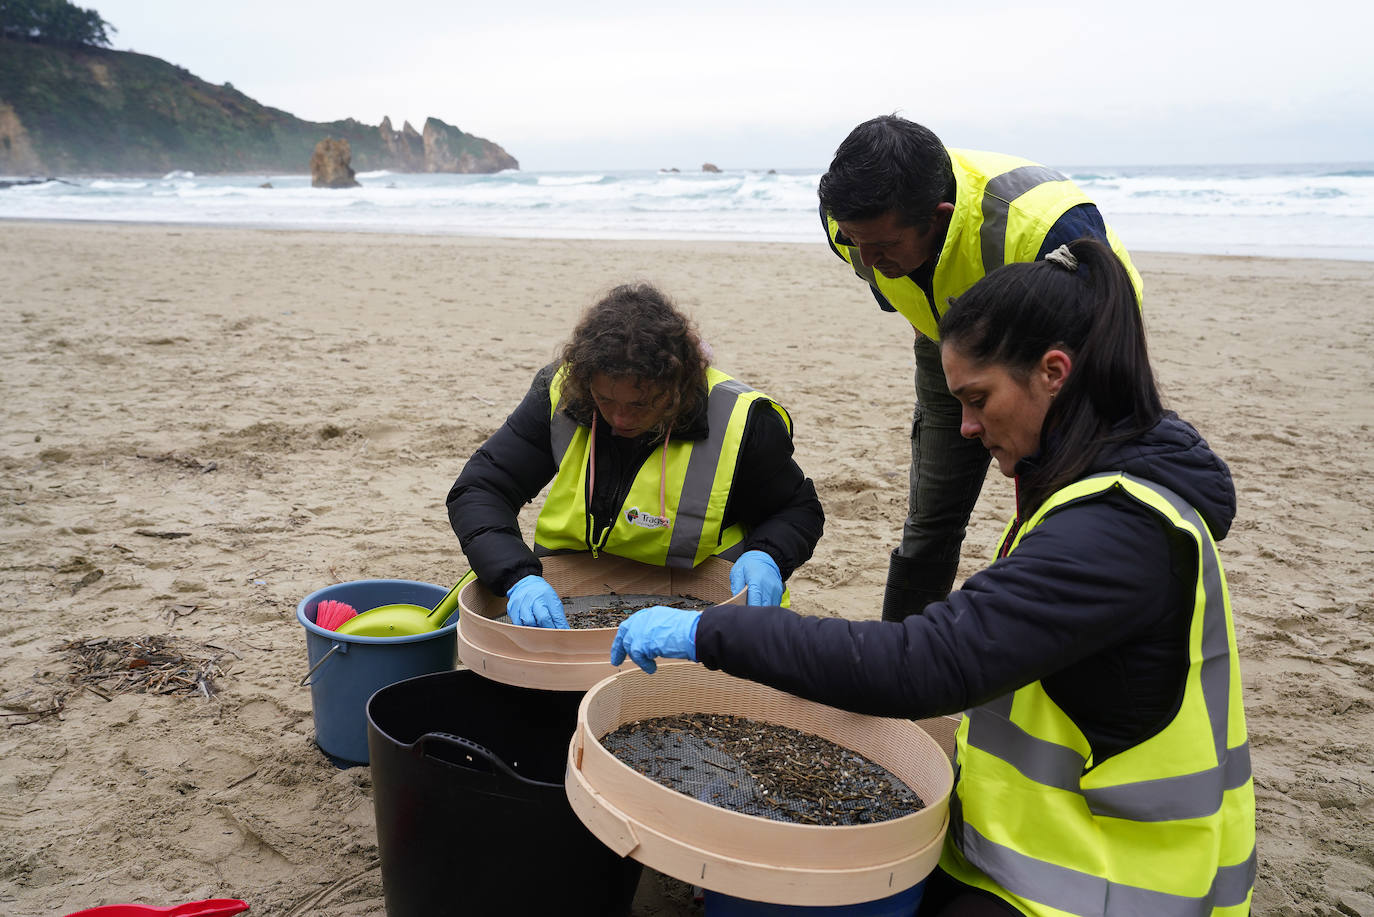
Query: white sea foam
101	184
30	186
1310	211
555	180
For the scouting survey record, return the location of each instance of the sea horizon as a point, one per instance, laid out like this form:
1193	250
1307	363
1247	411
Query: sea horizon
1321	210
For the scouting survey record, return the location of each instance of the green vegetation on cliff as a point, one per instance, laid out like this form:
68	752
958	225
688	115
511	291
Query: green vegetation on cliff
54	21
74	109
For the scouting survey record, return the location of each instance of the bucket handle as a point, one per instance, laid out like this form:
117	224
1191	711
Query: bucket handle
465	753
305	679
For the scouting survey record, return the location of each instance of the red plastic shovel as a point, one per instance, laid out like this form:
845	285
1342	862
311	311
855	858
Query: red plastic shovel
211	907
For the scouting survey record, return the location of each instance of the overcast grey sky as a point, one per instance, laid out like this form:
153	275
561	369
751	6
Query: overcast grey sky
743	84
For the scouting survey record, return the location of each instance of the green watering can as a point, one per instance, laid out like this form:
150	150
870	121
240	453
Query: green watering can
402	620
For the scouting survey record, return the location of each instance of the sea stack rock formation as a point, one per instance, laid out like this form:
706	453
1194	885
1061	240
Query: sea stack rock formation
330	165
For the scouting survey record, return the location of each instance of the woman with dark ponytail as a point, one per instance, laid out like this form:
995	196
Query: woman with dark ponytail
1102	764
1080	302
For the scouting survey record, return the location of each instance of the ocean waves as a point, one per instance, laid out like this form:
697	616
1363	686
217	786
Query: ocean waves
1324	211
1279	194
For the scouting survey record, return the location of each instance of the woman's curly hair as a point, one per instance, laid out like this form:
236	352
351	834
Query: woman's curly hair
636	332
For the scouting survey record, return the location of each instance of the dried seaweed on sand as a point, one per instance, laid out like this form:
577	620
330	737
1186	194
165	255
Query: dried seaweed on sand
142	665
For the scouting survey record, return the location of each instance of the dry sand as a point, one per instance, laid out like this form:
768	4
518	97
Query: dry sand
299	403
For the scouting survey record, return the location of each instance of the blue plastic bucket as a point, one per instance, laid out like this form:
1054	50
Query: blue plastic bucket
902	904
346	670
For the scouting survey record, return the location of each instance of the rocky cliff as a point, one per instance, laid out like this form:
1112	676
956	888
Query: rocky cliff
84	110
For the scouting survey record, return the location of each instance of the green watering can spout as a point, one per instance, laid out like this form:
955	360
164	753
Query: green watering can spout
403	620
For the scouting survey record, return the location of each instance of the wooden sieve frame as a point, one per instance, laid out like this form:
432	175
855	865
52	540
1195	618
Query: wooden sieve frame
572	659
745	855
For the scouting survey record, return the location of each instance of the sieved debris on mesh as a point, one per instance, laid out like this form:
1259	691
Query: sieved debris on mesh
587	611
141	665
608	609
762	769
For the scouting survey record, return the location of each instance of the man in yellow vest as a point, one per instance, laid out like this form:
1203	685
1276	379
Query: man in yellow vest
921	223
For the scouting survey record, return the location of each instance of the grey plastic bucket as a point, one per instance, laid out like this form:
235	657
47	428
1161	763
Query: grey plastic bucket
346	670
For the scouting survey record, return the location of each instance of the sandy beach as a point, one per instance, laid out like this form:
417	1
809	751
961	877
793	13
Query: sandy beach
201	426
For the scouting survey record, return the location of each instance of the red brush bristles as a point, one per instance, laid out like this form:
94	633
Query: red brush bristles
331	613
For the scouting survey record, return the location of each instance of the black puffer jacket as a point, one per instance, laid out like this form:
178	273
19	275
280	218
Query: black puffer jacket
769	494
1095	602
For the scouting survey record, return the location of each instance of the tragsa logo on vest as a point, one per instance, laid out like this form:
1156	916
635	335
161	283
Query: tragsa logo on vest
634	516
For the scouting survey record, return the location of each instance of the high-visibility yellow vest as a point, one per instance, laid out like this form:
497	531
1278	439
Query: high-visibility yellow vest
1003	209
1165	828
698	477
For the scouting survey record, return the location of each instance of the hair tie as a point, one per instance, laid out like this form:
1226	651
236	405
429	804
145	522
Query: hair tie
1064	258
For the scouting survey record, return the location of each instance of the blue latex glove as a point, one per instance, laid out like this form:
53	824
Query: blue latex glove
758	571
657	631
532	602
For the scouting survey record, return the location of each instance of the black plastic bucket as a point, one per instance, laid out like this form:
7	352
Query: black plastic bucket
472	816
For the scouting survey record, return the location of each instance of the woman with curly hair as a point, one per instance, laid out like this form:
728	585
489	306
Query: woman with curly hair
653	455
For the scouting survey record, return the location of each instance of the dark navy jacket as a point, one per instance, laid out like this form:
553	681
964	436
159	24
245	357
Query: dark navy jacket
770	494
1095	602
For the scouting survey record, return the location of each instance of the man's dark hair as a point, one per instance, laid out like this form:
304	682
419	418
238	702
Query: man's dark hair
888	164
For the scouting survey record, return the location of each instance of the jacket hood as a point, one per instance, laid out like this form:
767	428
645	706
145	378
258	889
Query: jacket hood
1174	454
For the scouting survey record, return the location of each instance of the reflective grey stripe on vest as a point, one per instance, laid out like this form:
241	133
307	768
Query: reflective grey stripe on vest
863	270
690	519
561	431
1168	798
1216	648
997	198
1093	896
1197	795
